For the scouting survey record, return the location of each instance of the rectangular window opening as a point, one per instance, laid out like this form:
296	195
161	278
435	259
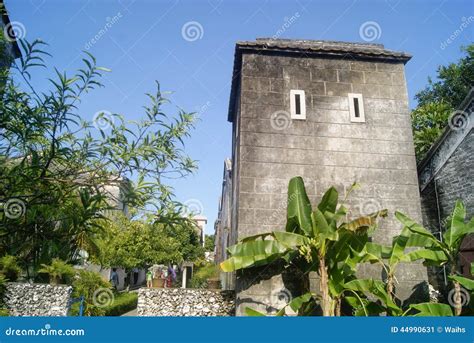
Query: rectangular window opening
356	108
297	104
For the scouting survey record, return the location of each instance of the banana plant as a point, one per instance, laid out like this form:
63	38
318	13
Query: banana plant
389	257
438	252
363	306
314	240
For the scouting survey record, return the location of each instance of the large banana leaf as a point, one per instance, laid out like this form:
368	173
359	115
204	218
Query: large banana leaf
457	228
252	254
364	223
329	201
432	310
377	288
254	313
418	229
364	307
465	282
299	208
434	256
290	239
296	304
321	228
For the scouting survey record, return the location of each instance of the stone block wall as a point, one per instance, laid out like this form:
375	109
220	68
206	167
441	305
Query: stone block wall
185	302
326	149
28	299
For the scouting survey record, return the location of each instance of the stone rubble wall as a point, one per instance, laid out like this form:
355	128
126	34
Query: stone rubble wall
29	299
185	302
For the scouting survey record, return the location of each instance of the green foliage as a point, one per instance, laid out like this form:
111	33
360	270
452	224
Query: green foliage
87	284
9	267
438	252
209	244
3	288
139	243
453	82
439	99
123	303
64	171
203	274
315	240
58	271
428	123
432	310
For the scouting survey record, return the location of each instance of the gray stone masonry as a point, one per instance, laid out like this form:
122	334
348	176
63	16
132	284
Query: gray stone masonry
185	302
29	299
326	149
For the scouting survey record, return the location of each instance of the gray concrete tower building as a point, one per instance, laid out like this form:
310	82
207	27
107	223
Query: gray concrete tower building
332	112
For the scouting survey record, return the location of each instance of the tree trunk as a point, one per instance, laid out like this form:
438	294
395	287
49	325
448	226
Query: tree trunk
457	299
326	302
338	303
390	285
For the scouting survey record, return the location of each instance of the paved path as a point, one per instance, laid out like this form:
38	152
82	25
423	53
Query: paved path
132	313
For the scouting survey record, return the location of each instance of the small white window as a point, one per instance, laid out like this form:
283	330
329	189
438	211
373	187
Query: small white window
356	108
297	104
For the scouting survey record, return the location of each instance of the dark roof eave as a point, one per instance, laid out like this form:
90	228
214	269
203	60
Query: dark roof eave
361	54
6	21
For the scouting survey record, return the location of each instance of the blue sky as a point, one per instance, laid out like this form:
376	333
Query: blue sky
188	46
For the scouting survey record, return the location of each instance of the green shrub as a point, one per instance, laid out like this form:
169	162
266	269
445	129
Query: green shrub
3	288
9	267
58	271
202	274
123	303
87	284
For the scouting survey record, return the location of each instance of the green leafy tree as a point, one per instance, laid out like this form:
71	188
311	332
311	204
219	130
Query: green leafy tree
209	243
139	243
439	99
428	122
453	82
61	171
